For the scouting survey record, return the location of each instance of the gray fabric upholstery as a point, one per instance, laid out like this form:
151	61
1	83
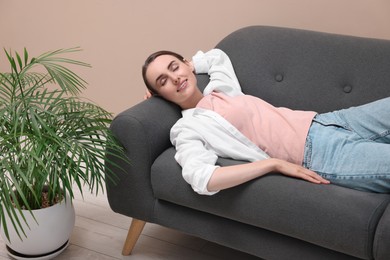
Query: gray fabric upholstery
318	71
256	241
382	237
273	217
329	217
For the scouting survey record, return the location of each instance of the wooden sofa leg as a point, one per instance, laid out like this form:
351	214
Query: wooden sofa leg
135	230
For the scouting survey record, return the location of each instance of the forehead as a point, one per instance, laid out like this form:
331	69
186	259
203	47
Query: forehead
159	66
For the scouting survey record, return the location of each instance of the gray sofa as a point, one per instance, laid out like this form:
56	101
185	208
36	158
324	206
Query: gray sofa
274	217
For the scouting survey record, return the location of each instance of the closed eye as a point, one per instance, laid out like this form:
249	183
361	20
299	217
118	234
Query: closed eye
175	67
163	81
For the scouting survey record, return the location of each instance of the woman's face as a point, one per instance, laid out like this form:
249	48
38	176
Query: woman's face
173	79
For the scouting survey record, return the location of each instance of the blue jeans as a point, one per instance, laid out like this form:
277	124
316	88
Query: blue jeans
351	147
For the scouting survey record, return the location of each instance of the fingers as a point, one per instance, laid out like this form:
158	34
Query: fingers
300	172
317	179
147	94
314	177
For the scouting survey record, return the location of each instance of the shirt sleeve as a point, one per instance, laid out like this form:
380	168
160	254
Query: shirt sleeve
197	162
218	66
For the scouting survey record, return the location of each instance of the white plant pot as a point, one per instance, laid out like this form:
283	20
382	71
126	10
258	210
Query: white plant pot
46	237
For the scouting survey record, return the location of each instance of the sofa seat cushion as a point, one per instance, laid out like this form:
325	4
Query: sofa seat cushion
330	216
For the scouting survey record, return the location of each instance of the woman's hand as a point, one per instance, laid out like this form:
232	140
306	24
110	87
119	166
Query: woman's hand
147	94
297	171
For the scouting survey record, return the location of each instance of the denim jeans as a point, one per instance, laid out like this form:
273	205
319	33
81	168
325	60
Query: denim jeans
351	147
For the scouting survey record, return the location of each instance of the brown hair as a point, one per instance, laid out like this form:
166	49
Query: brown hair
150	59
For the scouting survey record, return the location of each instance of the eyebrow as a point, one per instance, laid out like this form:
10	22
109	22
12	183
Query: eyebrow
168	67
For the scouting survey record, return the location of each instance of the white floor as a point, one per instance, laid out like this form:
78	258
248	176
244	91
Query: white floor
99	234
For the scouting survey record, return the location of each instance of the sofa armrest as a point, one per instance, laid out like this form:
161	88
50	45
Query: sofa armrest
143	131
382	237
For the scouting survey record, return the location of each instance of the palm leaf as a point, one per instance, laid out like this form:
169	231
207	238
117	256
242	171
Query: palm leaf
49	136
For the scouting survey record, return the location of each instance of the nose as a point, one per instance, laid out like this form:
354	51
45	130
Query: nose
175	79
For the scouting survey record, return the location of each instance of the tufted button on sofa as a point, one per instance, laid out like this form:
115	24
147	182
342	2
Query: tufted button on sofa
347	89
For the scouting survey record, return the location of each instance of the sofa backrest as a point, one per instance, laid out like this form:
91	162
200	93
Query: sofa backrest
309	70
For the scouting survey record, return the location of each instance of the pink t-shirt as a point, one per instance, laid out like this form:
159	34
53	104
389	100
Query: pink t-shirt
278	131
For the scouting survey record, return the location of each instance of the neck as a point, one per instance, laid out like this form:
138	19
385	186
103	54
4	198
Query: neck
191	103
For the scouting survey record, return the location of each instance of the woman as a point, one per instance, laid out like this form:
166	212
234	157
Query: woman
298	144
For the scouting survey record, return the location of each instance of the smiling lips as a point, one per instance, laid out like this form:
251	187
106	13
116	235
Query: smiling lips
182	86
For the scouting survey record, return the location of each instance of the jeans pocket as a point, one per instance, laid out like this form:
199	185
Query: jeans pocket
331	119
307	152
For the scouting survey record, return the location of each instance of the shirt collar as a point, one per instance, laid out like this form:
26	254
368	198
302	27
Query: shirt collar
187	112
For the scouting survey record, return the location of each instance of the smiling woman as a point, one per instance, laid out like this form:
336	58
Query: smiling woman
175	80
150	59
271	139
172	77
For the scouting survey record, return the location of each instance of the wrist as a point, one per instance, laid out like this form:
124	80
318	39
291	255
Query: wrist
275	165
268	165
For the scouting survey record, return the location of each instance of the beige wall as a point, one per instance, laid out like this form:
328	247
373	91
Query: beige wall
117	35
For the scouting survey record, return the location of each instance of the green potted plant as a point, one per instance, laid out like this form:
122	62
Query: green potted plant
51	140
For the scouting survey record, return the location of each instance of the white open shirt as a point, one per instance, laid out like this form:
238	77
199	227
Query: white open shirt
201	136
